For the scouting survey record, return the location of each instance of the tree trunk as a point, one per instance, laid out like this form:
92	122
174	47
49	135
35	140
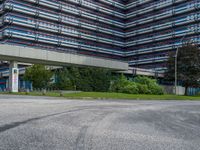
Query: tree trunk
186	89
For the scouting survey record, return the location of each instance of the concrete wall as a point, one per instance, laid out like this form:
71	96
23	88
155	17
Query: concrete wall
171	90
40	56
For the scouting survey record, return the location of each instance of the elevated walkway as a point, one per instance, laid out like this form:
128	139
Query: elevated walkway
16	54
145	72
47	57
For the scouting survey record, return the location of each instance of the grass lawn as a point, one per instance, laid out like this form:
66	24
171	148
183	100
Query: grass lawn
104	95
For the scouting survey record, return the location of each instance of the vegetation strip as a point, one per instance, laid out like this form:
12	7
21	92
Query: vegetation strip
107	95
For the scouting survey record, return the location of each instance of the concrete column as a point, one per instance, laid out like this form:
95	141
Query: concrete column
13	76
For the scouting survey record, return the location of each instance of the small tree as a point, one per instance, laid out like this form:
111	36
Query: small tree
93	79
188	66
63	79
38	75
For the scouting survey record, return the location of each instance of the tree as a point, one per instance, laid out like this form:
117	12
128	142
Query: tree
38	75
188	66
84	79
63	80
75	77
92	79
101	79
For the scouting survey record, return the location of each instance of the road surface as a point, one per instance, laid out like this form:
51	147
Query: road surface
42	123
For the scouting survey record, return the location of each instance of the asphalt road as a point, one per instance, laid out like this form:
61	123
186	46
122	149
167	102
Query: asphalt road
36	123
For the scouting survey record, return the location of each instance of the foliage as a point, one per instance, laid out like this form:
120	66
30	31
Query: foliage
118	83
63	80
143	89
84	79
130	88
152	86
188	66
140	85
38	75
90	79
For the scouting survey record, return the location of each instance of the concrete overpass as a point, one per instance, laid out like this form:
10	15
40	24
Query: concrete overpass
16	54
144	72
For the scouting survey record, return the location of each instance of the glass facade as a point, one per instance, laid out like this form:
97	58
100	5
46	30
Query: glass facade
141	32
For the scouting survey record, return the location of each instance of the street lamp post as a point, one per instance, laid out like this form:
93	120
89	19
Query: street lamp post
176	58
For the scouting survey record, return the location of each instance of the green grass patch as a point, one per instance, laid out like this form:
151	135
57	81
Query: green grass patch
51	94
101	95
107	95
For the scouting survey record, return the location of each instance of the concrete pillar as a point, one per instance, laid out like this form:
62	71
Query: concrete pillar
13	76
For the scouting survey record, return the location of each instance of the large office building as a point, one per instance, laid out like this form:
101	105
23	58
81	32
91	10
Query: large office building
156	27
142	32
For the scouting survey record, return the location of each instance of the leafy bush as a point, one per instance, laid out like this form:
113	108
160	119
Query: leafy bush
140	85
130	88
151	84
118	84
157	90
143	89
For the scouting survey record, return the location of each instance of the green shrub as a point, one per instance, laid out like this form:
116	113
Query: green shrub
143	89
140	85
118	84
152	85
130	88
156	89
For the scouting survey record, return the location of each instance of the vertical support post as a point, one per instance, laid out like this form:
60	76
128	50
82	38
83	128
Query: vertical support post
13	77
176	63
175	82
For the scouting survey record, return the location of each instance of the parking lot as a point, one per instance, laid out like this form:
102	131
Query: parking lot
42	123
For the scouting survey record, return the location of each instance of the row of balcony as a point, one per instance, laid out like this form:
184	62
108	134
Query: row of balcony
169	13
147	40
59	18
156	38
53	28
67	31
92	5
55	40
136	3
49	27
68	9
75	44
75	11
159	48
152	7
186	19
97	18
66	42
114	3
